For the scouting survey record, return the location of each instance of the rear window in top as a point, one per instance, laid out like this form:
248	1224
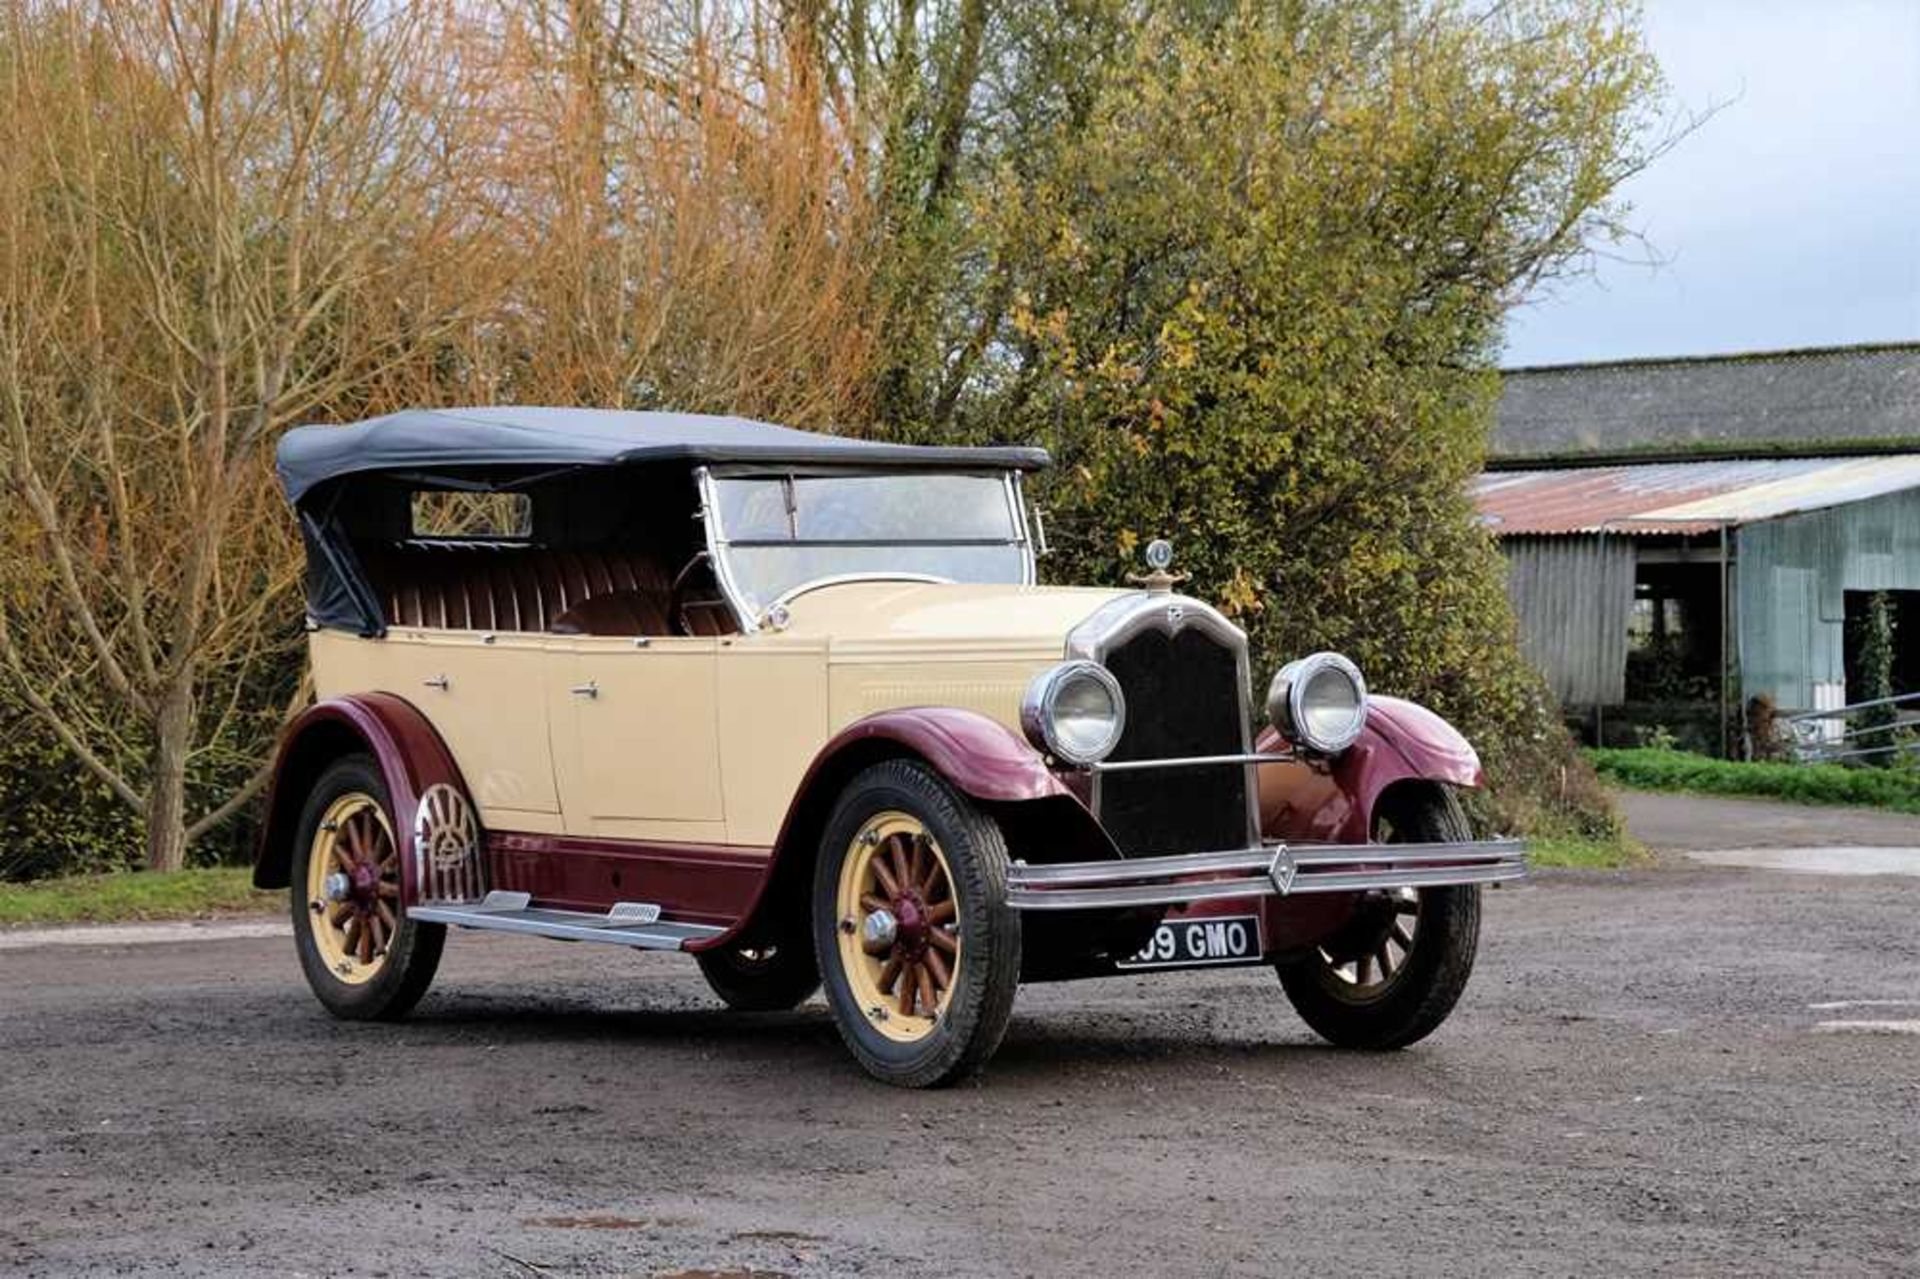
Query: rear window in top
438	513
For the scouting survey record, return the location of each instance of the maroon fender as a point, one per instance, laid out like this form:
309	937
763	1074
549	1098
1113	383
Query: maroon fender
410	755
1403	741
978	756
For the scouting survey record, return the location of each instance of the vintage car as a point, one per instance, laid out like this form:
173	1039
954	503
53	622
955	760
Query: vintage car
795	705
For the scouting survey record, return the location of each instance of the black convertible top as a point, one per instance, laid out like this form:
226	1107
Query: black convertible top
437	439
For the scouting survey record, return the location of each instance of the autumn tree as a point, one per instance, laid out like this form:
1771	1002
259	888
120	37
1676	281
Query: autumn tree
216	219
682	210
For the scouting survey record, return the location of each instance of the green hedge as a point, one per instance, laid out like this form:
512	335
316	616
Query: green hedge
1668	770
55	817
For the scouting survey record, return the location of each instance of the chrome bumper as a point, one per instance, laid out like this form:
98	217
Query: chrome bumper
1277	870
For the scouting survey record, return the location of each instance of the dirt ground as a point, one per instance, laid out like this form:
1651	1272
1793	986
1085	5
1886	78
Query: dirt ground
1677	1070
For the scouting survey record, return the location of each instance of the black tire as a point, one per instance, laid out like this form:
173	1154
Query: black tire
768	977
413	953
1420	994
980	1001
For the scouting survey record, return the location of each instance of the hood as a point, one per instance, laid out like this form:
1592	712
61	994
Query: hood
927	614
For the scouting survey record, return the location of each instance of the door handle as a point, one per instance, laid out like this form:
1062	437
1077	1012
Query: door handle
588	689
438	681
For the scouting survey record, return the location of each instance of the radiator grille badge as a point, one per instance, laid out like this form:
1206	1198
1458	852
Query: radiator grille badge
1281	870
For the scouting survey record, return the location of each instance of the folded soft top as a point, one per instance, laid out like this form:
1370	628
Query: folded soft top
436	439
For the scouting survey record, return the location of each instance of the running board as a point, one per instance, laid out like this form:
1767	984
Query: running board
627	924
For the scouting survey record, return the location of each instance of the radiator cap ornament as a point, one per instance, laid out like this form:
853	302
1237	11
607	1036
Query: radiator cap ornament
1160	581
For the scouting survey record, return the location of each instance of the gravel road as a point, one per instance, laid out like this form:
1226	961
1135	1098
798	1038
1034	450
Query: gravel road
1680	1070
1672	822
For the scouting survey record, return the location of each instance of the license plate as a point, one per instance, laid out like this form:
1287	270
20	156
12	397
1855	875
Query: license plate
1196	943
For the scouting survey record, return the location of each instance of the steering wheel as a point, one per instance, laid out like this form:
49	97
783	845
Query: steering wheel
683	582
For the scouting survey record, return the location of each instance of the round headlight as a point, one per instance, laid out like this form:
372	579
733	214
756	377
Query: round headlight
1319	703
1074	712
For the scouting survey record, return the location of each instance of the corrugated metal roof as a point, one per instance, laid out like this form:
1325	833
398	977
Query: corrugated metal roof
1682	497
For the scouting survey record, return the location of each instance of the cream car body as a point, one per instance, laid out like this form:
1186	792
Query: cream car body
701	739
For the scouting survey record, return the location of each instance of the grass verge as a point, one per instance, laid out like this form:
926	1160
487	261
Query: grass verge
136	895
1578	853
1648	769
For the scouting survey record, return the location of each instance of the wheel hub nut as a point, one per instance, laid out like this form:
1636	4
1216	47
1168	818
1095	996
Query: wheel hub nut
338	886
877	935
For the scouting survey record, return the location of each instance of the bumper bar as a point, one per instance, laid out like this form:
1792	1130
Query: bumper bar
1278	870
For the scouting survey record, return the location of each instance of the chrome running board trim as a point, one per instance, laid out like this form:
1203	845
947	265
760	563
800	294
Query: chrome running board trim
1277	870
636	924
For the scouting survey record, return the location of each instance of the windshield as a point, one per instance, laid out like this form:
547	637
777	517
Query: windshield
779	533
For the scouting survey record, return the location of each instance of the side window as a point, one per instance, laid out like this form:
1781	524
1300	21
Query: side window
494	516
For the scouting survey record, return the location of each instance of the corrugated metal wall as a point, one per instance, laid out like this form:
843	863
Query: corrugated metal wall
1793	577
1574	598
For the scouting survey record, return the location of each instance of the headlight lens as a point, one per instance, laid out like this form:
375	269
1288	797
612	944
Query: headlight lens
1319	703
1074	712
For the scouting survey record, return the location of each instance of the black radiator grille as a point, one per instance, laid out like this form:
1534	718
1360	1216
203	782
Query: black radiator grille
1183	698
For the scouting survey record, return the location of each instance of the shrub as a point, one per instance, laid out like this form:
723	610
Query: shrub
1894	789
1249	305
56	819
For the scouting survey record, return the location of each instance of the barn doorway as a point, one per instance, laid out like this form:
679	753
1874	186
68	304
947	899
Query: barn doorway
1904	606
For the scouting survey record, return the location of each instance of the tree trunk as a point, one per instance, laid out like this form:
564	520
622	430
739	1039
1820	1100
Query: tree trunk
167	793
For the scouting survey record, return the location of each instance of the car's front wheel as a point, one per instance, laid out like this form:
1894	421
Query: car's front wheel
1393	973
363	957
918	948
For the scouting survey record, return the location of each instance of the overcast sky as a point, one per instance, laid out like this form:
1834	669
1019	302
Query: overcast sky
1791	218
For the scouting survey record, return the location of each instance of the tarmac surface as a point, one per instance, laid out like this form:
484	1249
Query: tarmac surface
1687	1069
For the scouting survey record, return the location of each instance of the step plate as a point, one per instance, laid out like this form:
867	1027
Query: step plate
567	925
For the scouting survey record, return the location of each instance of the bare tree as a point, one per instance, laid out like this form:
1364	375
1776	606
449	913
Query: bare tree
693	230
216	219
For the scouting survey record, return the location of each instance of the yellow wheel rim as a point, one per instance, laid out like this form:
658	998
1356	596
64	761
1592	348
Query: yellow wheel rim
898	926
353	888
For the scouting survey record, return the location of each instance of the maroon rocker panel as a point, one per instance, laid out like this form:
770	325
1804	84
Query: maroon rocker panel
410	755
702	883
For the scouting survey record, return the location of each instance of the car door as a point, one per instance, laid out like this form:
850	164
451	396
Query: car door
483	695
639	757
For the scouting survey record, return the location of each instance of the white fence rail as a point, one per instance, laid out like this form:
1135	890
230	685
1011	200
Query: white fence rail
1832	736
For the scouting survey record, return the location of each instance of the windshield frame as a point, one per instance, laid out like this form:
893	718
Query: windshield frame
718	543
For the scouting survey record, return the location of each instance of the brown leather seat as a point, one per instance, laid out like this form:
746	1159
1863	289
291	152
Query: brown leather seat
621	613
492	586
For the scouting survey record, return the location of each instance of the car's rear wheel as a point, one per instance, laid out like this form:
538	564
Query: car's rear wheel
762	977
363	958
919	951
1394	972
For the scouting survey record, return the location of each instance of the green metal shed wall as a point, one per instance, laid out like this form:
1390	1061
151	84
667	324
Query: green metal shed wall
1794	573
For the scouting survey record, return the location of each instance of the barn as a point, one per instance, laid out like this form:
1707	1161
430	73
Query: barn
1686	535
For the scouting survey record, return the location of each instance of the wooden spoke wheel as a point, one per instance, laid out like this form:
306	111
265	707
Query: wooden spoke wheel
899	929
363	957
353	888
1377	950
1395	969
919	950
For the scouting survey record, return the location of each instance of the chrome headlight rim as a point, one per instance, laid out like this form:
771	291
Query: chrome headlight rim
1037	711
1286	702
